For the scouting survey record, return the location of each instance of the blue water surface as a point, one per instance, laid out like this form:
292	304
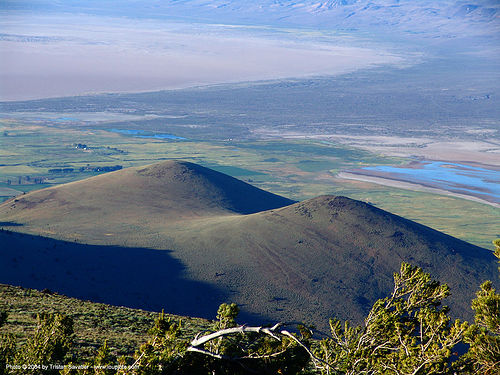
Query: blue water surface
449	176
145	134
66	119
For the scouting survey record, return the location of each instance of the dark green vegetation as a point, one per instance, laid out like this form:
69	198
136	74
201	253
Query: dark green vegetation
123	328
197	230
408	332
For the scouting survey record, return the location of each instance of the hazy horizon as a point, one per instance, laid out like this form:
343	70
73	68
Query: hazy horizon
52	49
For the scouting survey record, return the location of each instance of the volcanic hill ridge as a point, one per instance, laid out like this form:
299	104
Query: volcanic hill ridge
184	238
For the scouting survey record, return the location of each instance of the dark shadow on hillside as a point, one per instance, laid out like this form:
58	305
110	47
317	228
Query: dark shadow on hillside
244	198
133	277
10	224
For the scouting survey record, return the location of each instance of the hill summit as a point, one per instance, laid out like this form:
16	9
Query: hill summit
167	191
222	240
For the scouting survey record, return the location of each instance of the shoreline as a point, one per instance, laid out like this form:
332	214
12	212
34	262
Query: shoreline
410	186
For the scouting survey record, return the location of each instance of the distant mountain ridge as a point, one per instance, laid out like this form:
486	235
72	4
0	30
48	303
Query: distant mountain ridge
182	237
422	16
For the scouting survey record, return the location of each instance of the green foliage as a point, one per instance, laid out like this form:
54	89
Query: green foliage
48	346
406	333
7	345
104	363
270	356
483	356
237	351
7	351
123	329
226	316
3	317
497	251
163	353
487	308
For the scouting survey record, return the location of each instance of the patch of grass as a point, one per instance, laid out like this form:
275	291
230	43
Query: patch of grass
234	171
124	329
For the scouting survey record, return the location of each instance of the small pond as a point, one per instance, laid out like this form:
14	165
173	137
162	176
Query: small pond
147	134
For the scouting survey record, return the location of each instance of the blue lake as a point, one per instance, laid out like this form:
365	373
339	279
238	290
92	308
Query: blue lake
146	134
67	119
448	176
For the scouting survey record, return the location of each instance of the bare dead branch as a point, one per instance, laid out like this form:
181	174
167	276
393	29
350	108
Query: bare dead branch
229	331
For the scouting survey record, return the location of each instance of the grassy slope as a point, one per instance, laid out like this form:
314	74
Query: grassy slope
151	196
123	328
330	256
309	261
